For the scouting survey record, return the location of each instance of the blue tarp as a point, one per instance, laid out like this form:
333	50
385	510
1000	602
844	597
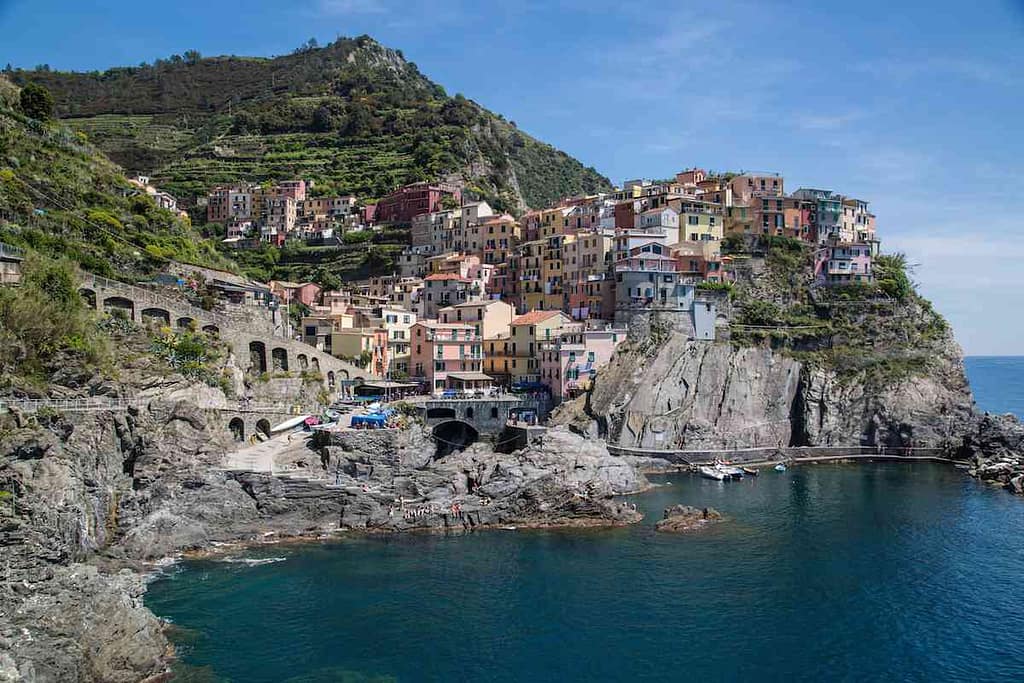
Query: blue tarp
374	421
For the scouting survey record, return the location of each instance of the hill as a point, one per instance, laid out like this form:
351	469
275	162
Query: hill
62	197
354	115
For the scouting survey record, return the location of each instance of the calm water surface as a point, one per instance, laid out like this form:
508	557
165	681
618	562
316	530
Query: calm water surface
839	572
998	383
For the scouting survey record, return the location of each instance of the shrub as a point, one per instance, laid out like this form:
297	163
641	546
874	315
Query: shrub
46	318
36	102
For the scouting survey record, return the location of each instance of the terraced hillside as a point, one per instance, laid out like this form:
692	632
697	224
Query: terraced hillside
62	197
355	116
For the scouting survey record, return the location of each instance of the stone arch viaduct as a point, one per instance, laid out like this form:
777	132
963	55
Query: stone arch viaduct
258	345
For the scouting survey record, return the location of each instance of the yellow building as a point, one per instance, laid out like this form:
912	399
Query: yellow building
699	221
530	262
528	331
552	271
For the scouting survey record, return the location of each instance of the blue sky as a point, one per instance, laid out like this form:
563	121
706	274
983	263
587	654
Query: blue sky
913	106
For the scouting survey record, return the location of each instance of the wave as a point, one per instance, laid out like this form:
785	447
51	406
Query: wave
252	561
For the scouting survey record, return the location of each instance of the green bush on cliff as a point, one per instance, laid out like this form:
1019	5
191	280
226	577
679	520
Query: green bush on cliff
191	353
891	275
45	320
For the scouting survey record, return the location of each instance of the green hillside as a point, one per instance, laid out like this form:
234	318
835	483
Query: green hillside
354	116
60	196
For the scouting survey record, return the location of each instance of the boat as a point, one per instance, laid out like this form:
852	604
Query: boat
781	467
731	471
289	423
712	473
751	471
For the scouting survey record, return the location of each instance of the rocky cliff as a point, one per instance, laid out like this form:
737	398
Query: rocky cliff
798	366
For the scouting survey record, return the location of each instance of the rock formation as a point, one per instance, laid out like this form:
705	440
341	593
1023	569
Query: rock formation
683	518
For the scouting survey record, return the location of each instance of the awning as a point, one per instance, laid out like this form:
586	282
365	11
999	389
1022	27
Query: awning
382	384
470	377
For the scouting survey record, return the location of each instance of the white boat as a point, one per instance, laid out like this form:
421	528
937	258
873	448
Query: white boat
289	423
730	471
781	467
712	473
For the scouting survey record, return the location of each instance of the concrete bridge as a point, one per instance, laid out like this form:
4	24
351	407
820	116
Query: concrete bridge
256	340
243	419
458	422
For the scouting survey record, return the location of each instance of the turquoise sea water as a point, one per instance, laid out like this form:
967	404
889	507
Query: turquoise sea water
997	383
839	572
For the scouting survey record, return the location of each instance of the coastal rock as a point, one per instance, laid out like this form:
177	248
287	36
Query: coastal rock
683	518
381	481
995	447
693	394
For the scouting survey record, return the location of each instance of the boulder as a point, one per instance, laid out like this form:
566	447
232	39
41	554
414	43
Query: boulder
683	518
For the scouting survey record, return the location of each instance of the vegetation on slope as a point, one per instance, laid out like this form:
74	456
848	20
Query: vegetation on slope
354	116
878	334
45	320
61	197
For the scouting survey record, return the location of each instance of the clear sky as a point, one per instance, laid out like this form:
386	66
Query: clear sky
914	106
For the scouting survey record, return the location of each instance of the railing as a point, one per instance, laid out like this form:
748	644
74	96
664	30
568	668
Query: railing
11	252
121	403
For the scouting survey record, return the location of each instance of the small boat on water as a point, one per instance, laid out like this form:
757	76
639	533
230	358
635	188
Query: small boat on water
751	471
780	467
731	471
712	473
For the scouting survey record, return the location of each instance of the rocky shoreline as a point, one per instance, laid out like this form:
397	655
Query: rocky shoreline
99	498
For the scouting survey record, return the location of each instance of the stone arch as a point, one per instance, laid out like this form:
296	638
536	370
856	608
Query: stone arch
440	413
211	329
257	356
237	427
330	379
156	314
469	413
263	425
343	374
279	357
119	305
316	364
88	295
303	362
185	323
453	435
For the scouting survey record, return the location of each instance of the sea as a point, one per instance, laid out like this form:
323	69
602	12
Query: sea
847	572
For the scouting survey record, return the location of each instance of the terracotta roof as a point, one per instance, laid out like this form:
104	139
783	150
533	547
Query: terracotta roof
447	276
534	317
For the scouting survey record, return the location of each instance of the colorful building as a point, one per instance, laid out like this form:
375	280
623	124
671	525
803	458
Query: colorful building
402	205
570	361
844	263
447	356
528	330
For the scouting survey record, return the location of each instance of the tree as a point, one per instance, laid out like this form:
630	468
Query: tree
327	280
36	102
192	56
323	120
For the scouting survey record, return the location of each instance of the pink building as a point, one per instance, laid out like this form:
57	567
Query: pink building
447	356
570	360
296	189
306	293
843	263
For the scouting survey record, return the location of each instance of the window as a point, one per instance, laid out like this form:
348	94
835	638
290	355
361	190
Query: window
692	220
